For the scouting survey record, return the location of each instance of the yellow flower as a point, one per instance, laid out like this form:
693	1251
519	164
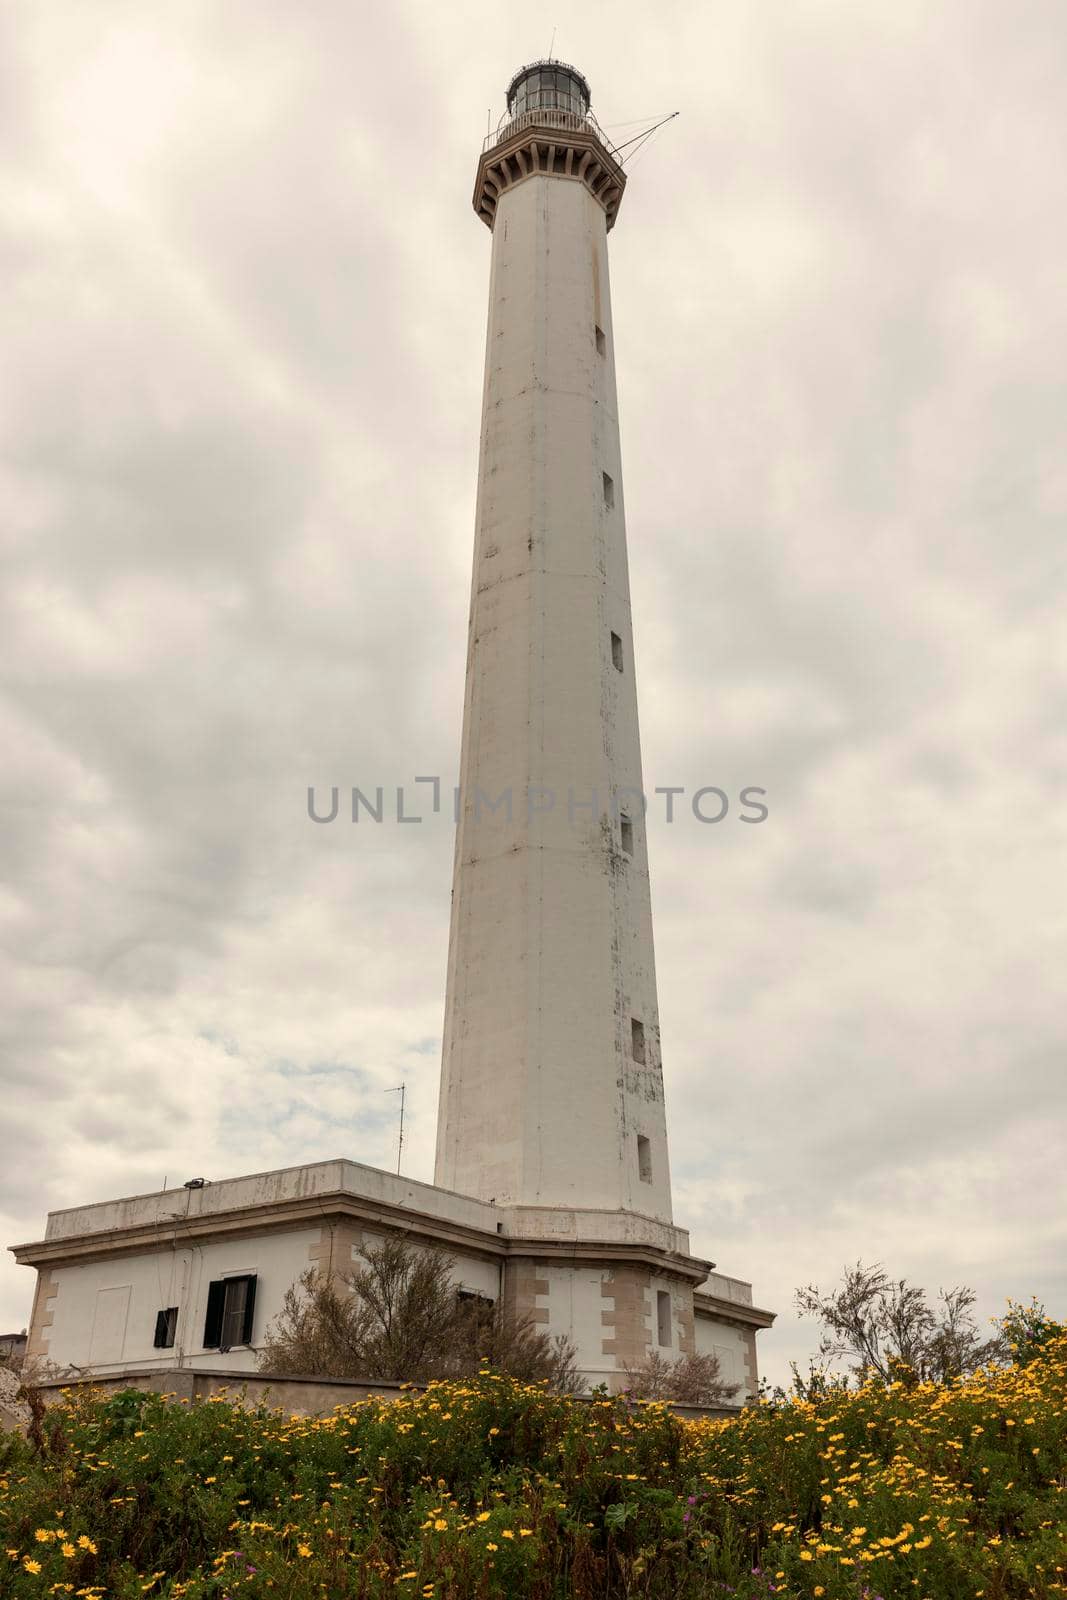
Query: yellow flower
506	1533
440	1525
492	1547
493	1431
42	1535
483	1516
31	1566
806	1555
302	1550
819	1589
86	1543
68	1550
524	1533
404	1576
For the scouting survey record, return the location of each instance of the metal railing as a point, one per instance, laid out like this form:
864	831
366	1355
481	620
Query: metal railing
566	121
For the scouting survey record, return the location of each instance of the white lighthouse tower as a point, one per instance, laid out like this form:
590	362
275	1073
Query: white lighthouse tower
552	1084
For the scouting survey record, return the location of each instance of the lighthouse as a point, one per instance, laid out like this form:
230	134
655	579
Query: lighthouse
552	1074
552	1191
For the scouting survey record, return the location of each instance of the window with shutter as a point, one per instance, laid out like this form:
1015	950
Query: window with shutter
213	1321
231	1305
250	1310
166	1328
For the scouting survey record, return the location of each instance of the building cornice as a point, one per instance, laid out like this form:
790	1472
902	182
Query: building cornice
321	1209
712	1305
557	144
269	1217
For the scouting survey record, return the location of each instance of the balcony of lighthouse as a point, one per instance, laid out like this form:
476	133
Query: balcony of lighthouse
548	128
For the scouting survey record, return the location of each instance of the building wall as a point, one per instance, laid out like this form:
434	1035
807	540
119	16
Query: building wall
611	1314
574	1306
104	1311
735	1346
295	1396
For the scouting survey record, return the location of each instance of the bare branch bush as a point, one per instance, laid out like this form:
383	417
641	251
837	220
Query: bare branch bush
694	1380
399	1318
887	1330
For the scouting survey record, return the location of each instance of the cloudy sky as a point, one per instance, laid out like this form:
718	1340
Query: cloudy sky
242	337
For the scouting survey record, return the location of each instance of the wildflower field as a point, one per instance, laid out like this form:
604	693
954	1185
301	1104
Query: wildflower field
494	1488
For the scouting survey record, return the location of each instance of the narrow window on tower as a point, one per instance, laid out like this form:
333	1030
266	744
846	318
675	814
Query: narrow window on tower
609	491
601	343
616	652
626	828
644	1159
663	1317
637	1040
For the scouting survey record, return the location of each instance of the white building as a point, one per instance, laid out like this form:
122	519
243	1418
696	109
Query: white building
552	1178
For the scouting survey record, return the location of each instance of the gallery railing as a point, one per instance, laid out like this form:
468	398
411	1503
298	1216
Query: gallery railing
548	117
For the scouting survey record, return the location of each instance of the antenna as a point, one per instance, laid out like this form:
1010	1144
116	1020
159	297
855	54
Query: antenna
553	42
400	1088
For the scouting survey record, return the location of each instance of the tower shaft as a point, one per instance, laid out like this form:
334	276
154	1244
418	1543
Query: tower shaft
551	1087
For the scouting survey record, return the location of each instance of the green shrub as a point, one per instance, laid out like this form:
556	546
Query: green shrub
491	1488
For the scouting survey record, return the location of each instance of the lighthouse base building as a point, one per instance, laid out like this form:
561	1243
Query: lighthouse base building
192	1278
552	1190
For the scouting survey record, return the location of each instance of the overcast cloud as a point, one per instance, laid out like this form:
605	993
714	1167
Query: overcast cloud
242	338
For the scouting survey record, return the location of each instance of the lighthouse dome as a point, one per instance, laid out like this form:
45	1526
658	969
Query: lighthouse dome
548	86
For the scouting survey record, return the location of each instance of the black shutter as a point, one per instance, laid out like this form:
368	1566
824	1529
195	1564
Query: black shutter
213	1321
250	1309
160	1340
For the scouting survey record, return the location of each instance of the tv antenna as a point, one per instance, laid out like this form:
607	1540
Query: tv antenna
400	1088
553	42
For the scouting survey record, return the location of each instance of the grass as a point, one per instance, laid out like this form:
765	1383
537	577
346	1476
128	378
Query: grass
492	1488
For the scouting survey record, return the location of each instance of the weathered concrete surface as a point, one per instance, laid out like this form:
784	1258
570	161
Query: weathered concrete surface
547	1084
262	1190
307	1397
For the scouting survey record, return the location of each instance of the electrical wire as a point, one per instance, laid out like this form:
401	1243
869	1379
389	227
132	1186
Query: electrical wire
633	122
642	148
639	138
